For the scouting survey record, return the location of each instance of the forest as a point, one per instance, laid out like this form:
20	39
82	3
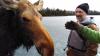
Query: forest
59	12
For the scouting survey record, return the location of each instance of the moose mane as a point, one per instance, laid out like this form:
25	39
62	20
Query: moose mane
13	32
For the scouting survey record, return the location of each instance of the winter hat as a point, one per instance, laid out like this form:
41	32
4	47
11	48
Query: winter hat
84	7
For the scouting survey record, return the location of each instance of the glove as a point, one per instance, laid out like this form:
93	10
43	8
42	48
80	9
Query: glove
71	25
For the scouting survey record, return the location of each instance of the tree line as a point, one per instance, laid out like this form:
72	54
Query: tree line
59	12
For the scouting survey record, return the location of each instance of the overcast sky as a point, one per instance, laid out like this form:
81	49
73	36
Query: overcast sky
70	4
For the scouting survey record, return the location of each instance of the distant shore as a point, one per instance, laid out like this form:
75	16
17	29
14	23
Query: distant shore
59	12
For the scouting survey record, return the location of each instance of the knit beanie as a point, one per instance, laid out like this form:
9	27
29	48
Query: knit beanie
84	7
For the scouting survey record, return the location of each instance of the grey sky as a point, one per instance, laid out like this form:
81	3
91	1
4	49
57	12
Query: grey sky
69	4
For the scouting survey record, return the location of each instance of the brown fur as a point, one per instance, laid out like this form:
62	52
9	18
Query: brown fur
23	26
42	38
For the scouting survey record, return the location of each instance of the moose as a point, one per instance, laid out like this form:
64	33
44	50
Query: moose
20	24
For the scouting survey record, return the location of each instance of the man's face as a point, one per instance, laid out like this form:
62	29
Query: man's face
80	14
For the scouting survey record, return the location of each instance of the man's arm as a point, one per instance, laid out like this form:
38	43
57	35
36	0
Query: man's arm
91	35
93	27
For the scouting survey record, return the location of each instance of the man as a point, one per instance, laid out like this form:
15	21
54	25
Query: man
77	45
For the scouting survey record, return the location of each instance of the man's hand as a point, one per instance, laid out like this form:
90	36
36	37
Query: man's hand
72	25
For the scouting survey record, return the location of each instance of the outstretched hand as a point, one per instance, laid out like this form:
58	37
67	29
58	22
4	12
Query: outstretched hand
72	25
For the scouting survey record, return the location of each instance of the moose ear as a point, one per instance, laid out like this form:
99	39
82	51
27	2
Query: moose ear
38	5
